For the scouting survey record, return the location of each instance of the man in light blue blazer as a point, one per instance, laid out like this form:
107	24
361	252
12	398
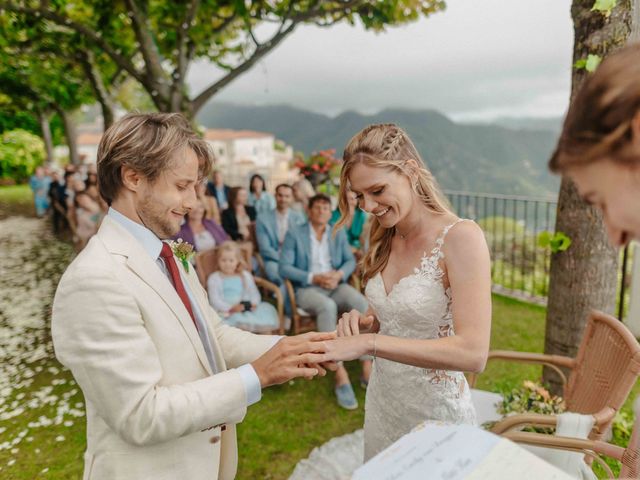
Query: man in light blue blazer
319	263
271	228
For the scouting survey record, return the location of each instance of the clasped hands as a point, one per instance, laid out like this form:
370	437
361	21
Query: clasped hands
314	353
328	280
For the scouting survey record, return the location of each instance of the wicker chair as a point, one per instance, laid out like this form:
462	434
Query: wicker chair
301	321
629	457
601	376
207	263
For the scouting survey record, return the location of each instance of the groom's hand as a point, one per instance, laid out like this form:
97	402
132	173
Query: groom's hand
292	357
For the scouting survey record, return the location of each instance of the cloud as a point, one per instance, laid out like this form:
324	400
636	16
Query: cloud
475	58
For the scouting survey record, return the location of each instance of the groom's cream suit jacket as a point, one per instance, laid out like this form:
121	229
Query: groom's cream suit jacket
155	409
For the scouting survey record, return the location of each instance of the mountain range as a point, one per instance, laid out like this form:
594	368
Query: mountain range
485	158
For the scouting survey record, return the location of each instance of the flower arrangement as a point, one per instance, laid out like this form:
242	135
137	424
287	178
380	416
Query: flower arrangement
184	251
530	398
318	167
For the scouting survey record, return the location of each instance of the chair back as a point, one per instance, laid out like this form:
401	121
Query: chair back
207	263
606	368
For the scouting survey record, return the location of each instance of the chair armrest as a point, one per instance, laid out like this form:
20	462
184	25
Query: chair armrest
551	361
591	448
524	419
272	287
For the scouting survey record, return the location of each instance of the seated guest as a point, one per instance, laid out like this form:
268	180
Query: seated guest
218	190
211	210
74	185
319	263
88	217
236	219
272	226
234	295
58	202
202	233
354	227
302	192
259	198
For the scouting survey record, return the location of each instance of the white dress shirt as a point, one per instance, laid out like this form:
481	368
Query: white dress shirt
282	221
320	253
153	245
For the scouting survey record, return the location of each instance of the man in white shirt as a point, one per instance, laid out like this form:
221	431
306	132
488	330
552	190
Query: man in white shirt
318	262
164	380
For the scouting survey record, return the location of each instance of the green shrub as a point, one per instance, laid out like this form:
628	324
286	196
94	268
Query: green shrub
20	153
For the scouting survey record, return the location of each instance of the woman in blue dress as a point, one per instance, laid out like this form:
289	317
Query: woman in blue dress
234	295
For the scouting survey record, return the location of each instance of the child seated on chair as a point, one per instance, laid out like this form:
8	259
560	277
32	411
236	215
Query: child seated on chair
234	295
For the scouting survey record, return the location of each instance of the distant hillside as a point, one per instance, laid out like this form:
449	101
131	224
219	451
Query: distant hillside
477	158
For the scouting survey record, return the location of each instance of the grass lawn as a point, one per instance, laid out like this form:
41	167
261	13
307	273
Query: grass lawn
16	200
42	427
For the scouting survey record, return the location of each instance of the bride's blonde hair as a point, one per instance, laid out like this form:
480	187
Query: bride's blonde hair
386	146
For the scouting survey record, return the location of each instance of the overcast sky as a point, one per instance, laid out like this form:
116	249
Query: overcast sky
477	60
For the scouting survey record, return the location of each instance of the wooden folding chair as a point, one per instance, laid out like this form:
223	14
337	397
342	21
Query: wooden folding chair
301	321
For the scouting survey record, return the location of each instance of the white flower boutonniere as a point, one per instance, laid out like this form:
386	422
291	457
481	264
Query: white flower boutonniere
184	251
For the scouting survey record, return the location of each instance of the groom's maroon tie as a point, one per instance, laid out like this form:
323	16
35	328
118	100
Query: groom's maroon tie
169	261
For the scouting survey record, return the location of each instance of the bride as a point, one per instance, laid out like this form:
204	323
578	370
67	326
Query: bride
428	283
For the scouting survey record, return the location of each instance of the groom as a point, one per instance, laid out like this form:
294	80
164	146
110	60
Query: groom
164	380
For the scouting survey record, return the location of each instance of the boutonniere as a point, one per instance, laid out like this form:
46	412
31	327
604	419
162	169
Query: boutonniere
184	251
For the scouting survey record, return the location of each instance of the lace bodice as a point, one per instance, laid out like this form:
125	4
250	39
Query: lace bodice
401	396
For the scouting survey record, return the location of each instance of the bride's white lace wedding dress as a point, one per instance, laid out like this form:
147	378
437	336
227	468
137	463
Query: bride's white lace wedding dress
400	396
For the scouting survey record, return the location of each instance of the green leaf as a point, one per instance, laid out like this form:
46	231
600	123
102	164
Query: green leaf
589	64
592	63
557	242
580	64
544	239
604	6
185	264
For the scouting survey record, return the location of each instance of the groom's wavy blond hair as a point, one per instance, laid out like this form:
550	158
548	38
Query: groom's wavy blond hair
389	147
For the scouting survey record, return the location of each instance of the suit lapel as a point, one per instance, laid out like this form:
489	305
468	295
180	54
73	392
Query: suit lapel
273	228
119	241
332	246
306	245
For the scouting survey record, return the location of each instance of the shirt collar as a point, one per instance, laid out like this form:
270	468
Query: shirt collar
282	215
325	235
149	241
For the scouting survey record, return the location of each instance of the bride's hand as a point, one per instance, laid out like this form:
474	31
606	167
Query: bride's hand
353	322
348	348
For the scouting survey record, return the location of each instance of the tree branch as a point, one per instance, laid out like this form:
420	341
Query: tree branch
64	21
155	73
261	51
184	50
87	59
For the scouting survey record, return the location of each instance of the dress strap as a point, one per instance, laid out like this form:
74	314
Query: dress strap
437	250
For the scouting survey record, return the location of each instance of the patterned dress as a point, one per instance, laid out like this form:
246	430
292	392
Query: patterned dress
400	396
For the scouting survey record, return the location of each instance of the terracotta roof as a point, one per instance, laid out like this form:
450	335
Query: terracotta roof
89	138
228	134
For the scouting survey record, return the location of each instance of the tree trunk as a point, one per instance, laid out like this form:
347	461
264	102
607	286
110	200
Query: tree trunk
102	94
45	127
71	136
584	277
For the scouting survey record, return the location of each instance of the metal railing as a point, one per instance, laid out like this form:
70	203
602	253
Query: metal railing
512	225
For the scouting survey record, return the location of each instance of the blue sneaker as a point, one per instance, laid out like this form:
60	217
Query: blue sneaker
346	397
